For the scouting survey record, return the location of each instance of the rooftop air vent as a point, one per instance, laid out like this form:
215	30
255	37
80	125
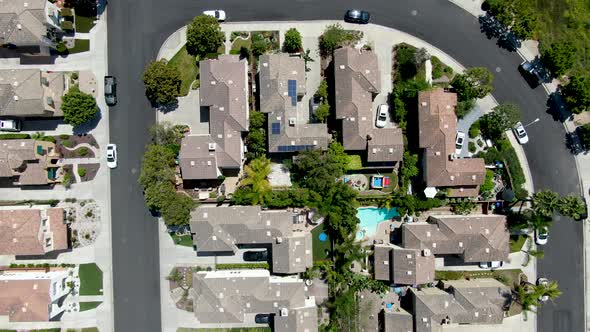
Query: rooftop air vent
212	146
291	122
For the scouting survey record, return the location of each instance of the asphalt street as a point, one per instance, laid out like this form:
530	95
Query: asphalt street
138	28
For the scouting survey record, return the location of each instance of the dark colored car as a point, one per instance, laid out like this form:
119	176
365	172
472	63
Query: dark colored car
256	256
262	319
357	16
110	90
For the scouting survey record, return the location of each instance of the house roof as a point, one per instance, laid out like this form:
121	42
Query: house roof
22	22
282	84
18	158
224	89
196	159
438	129
224	297
477	301
22	232
221	229
25	300
357	79
397	320
476	238
30	92
403	266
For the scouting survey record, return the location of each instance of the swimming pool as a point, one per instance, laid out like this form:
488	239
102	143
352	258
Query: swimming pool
370	218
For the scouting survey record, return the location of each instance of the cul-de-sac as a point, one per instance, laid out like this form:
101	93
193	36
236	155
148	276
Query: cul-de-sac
294	166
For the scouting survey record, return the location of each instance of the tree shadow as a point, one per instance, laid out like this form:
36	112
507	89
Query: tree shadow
85	128
166	108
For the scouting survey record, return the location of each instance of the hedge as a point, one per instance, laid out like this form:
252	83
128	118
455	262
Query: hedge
45	265
14	136
249	266
506	153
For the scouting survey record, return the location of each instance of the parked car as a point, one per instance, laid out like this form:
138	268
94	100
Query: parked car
534	72
110	90
10	125
459	141
112	156
256	256
520	133
491	265
357	16
217	13
262	319
543	282
542	236
382	111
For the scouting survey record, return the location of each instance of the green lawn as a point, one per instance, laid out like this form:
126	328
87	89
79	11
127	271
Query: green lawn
239	43
319	248
237	329
355	162
84	306
182	240
81	45
516	242
84	23
507	277
188	68
90	279
90	329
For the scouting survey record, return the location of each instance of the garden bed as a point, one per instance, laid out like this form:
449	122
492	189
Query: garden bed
90	173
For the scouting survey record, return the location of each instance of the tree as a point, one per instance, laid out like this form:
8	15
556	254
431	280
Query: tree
322	90
463	207
322	112
577	94
545	202
464	107
257	119
537	221
177	210
158	195
474	83
421	56
256	139
409	168
162	82
516	15
559	56
503	117
292	41
339	206
488	185
550	290
157	165
203	35
78	107
165	133
318	171
571	206
334	36
257	179
259	44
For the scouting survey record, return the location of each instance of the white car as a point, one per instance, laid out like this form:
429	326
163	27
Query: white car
382	111
543	282
541	236
459	141
520	133
491	265
112	155
10	125
217	13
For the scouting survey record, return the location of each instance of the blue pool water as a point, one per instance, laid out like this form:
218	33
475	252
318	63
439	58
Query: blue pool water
370	218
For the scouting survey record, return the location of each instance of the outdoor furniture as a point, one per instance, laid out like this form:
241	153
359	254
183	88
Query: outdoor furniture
377	181
386	182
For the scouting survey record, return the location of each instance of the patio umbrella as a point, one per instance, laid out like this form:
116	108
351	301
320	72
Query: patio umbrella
430	192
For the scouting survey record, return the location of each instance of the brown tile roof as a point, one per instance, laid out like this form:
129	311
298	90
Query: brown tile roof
276	70
25	300
197	161
31	93
22	232
438	129
19	159
23	22
403	266
476	238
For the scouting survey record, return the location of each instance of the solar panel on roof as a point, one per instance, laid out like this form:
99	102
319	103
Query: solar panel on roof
293	148
292	88
276	128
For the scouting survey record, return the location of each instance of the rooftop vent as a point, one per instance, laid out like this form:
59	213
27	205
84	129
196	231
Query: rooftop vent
428	234
409	256
265	64
212	146
279	239
284	312
213	82
291	122
15	97
424	103
342	67
19	26
409	273
434	245
446	304
390	150
192	163
230	82
487	250
208	162
460	244
426	252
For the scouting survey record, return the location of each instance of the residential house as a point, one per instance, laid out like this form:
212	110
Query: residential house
397	320
33	295
30	231
477	301
224	92
237	296
282	85
357	82
222	230
31	93
438	129
474	238
27	162
32	25
403	266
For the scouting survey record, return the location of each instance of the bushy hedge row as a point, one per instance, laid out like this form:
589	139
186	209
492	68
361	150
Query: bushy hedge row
45	265
243	266
505	152
14	136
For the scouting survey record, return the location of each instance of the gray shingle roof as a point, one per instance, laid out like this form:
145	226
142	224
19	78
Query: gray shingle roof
221	229
403	266
196	159
30	92
223	297
276	70
476	238
398	320
23	22
357	80
438	129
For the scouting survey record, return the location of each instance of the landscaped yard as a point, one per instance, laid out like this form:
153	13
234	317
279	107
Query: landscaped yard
90	279
320	247
239	43
236	329
516	242
80	45
355	162
188	67
84	306
182	240
84	23
507	277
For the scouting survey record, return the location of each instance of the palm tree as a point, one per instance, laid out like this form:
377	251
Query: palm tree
550	290
523	295
256	177
545	202
571	206
536	220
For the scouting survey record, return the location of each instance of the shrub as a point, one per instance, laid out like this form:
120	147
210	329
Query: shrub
61	47
14	136
464	107
67	143
259	44
162	82
474	130
81	171
64	136
292	41
83	151
334	36
75	75
472	147
78	107
203	35
67	180
242	266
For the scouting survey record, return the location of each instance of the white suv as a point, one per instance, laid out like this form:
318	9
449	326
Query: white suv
112	155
